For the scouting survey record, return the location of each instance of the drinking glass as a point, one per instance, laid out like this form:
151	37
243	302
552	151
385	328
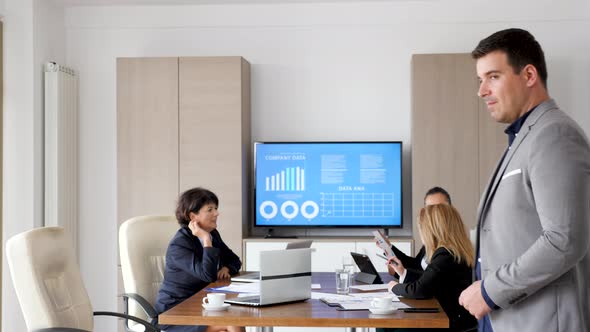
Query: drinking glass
342	281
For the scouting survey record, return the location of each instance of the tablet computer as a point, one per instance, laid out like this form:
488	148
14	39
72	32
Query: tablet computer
368	272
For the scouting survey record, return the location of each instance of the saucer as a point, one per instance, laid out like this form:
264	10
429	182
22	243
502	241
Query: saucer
382	311
209	307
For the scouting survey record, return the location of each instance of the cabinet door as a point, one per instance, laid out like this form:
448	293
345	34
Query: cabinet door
147	140
328	256
214	148
147	136
445	135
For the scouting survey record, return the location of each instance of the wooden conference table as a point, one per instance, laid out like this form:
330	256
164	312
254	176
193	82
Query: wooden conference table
311	313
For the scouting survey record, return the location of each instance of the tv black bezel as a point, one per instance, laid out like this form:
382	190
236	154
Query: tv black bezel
400	226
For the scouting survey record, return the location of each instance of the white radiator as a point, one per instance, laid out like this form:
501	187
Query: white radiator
61	149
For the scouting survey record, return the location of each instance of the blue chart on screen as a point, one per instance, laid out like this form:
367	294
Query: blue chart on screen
328	184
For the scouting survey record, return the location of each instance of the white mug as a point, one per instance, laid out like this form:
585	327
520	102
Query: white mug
381	302
214	299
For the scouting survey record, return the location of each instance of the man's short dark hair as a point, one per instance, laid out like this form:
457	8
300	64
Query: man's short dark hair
520	47
193	200
438	190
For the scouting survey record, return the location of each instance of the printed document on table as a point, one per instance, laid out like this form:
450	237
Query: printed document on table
331	297
355	302
365	305
369	287
252	288
320	295
371	296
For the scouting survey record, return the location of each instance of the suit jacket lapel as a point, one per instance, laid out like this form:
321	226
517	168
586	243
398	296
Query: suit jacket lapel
486	192
501	167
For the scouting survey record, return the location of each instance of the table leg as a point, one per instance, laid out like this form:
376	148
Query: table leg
263	329
357	329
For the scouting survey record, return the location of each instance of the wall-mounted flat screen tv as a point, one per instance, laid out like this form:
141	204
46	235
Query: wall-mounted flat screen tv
329	184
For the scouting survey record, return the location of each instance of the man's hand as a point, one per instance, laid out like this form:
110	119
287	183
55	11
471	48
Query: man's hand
472	300
223	273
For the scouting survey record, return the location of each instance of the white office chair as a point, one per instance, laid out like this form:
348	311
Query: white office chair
48	282
143	242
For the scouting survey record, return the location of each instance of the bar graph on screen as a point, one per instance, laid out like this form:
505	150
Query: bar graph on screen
288	179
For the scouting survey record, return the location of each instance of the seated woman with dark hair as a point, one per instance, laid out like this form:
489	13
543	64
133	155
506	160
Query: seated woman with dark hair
196	256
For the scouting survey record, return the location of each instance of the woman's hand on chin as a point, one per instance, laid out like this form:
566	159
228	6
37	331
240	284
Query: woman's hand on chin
199	232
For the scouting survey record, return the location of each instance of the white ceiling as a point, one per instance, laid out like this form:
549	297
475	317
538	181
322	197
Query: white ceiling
71	3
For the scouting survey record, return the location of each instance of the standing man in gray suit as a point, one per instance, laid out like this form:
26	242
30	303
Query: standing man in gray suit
533	267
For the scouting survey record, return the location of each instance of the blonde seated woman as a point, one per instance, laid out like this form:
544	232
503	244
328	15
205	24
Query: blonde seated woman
450	257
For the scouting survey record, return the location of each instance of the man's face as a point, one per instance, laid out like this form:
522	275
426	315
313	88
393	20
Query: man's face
437	198
504	92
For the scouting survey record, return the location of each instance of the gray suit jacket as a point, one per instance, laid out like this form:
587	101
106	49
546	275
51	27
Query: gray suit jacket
534	228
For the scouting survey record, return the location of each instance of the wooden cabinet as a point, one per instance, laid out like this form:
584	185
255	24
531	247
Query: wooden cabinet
182	123
214	137
147	136
455	143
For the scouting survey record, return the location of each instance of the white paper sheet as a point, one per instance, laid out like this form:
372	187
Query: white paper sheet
253	288
371	296
362	305
369	287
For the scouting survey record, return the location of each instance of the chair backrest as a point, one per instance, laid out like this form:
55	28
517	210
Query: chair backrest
143	242
47	280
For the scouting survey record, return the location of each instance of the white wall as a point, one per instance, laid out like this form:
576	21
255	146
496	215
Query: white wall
319	71
19	213
33	34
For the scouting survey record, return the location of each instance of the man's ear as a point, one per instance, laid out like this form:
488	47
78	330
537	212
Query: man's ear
531	75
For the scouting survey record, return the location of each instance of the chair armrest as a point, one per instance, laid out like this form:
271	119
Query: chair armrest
148	326
143	303
59	329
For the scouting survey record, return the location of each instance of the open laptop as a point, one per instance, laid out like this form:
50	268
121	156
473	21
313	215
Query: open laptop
255	276
285	276
368	274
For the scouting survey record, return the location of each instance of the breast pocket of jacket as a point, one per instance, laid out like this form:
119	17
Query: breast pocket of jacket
511	174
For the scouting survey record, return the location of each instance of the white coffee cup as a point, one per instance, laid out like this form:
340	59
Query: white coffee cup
214	299
381	302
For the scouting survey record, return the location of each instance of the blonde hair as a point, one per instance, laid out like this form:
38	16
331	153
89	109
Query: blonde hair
441	227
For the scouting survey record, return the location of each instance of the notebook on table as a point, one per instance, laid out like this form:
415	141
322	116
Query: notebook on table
246	277
281	282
